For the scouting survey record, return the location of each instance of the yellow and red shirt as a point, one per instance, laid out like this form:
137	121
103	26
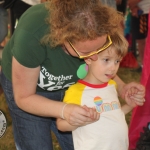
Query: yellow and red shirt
110	132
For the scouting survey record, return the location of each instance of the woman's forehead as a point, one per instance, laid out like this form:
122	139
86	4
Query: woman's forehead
90	45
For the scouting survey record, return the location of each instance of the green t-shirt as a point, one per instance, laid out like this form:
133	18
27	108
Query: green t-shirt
58	69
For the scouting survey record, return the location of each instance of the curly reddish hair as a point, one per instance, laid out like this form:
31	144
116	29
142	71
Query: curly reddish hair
80	20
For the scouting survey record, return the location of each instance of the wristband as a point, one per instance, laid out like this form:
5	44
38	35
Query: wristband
62	112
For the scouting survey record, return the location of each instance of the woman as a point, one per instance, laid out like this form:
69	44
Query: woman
42	60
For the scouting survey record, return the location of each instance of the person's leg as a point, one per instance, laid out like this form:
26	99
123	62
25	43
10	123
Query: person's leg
3	23
64	138
139	33
134	30
141	38
32	132
141	47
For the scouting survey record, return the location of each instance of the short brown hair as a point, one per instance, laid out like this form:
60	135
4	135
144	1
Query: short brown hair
119	43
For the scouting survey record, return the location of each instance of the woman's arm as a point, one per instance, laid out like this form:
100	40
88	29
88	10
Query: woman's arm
24	82
63	125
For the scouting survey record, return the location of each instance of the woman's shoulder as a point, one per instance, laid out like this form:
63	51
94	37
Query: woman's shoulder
36	10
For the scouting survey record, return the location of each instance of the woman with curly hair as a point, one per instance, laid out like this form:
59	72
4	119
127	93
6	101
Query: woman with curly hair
44	57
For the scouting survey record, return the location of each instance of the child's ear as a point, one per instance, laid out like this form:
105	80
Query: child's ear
87	60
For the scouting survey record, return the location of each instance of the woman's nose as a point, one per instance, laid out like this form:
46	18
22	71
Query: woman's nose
94	57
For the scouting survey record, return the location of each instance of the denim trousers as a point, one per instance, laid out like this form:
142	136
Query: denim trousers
3	23
33	132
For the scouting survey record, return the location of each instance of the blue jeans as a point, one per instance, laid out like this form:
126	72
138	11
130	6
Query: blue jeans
3	23
33	132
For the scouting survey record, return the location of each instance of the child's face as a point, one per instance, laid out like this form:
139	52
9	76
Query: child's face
104	68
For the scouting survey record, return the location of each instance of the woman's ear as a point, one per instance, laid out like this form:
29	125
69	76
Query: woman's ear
88	61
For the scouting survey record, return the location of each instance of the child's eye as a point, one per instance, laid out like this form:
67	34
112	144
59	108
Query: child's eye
117	61
106	59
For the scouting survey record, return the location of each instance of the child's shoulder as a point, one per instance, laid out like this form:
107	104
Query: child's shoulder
77	85
112	82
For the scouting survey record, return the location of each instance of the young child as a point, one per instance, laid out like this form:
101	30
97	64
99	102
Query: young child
98	91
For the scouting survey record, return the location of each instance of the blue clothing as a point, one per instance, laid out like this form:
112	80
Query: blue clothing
26	126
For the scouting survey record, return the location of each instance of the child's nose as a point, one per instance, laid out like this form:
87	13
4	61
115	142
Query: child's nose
113	66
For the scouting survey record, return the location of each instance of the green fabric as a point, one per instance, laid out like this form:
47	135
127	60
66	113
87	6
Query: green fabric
58	70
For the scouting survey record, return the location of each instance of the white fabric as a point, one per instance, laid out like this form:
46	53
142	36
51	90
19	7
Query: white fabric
145	6
110	132
32	2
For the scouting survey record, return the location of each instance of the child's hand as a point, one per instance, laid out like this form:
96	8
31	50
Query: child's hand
92	112
129	95
138	98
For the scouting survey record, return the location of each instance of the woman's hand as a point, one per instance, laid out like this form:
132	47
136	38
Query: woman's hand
133	93
80	116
